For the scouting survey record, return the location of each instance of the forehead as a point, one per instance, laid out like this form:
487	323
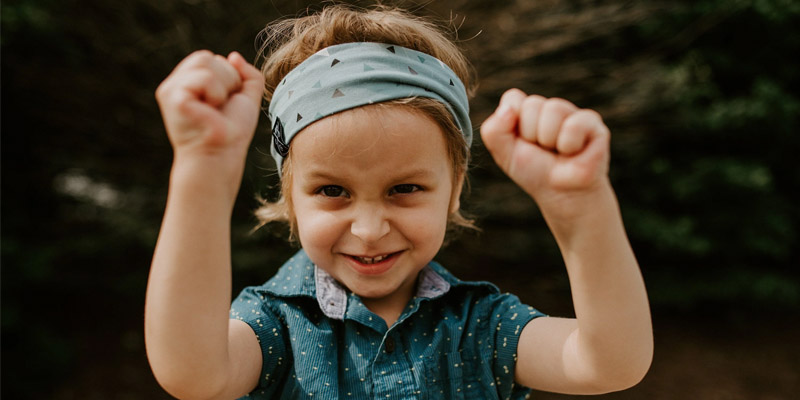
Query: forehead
371	140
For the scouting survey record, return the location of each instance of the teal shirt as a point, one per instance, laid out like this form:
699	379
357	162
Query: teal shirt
455	340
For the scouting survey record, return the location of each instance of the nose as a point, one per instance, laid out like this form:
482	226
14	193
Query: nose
370	223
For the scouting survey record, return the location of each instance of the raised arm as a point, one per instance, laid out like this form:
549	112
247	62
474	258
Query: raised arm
210	106
559	155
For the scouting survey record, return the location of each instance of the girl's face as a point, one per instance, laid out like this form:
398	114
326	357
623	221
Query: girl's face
372	189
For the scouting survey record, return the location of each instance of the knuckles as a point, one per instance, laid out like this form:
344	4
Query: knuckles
532	103
582	119
195	63
558	105
532	108
536	106
201	57
512	95
161	91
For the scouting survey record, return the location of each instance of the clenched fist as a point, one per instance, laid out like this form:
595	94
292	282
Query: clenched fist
210	104
549	147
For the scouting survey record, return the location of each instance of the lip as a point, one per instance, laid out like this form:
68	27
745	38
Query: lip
373	269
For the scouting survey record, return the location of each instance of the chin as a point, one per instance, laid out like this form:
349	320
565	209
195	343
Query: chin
372	293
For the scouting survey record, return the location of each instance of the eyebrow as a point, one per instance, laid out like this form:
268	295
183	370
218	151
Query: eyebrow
415	174
321	174
419	173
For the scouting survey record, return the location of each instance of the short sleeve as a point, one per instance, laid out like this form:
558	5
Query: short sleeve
509	316
254	308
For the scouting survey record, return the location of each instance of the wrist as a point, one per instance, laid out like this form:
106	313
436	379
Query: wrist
566	211
210	177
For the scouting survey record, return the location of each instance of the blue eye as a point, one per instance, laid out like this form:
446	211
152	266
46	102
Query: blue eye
405	188
332	191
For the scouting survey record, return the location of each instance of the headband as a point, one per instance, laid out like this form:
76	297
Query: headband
350	75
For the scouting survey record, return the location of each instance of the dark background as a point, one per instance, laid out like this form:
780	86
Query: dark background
701	97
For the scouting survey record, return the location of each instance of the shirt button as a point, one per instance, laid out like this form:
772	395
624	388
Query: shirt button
389	344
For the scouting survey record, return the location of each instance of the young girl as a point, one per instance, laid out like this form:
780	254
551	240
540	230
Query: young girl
371	136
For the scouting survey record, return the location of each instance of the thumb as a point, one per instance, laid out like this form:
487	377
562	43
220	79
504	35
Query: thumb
252	79
499	131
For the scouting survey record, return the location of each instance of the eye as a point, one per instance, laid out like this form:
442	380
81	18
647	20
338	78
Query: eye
405	189
332	191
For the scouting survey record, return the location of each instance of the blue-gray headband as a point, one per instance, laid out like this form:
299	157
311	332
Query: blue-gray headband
351	75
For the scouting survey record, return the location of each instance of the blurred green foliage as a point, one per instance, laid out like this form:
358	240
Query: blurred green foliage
702	97
721	212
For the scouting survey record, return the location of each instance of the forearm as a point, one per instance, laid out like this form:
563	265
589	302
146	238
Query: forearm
614	334
189	288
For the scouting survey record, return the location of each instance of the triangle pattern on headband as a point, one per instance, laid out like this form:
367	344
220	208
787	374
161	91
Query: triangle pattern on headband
350	75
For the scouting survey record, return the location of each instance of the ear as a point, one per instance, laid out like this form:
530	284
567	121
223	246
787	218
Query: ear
455	197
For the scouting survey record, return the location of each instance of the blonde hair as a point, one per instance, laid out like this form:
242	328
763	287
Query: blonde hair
288	42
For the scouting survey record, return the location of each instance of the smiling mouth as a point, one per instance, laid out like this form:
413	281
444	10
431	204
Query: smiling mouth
373	260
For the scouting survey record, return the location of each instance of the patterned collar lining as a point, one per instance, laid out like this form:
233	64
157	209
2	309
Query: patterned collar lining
332	297
299	276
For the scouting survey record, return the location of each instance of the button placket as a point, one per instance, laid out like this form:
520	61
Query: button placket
389	345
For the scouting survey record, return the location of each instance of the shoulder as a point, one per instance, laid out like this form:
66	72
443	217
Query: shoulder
293	280
457	285
483	306
486	324
482	294
294	277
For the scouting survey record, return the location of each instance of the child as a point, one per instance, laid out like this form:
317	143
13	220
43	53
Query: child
371	135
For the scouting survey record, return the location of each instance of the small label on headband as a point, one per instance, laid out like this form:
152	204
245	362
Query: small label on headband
278	139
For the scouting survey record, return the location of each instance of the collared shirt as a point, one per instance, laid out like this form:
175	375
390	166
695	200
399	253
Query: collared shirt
454	340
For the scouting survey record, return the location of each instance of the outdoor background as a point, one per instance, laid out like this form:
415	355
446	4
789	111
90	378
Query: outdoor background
702	98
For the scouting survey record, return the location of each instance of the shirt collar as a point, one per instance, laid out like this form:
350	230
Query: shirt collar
300	277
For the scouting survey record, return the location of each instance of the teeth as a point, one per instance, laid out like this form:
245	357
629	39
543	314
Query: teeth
373	260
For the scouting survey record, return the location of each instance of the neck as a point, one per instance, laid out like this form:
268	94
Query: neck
390	307
389	312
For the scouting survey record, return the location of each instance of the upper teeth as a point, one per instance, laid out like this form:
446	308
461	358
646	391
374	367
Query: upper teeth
373	260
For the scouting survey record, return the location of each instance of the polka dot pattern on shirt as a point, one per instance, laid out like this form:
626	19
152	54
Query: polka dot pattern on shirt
457	342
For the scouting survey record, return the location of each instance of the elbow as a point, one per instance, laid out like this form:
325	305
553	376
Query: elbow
640	365
626	374
183	377
181	389
630	378
187	384
186	389
609	383
622	374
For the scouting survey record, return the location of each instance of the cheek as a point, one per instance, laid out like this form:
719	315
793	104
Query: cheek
426	227
317	228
